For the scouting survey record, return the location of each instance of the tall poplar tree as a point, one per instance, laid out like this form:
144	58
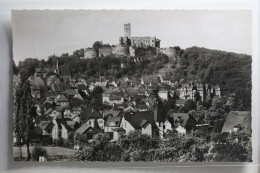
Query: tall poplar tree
25	112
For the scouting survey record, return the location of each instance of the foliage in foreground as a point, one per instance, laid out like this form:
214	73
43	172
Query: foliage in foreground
37	152
175	147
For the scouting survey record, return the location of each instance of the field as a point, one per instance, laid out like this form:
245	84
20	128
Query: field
55	153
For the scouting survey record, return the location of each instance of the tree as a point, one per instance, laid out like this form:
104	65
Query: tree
27	68
197	96
15	69
24	116
96	98
137	141
97	45
188	106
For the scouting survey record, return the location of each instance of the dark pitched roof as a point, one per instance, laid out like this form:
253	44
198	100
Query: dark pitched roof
142	106
70	92
76	109
118	129
36	80
82	129
184	119
167	77
86	128
45	124
136	118
112	112
41	118
62	98
235	118
48	111
115	97
60	87
88	113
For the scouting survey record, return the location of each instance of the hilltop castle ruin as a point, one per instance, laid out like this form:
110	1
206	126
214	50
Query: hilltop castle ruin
132	46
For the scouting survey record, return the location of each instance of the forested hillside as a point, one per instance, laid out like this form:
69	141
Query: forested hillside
231	71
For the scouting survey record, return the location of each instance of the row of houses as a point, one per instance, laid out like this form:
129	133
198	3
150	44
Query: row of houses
133	106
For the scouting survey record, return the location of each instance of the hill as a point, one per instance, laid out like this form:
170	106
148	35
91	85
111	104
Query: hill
231	71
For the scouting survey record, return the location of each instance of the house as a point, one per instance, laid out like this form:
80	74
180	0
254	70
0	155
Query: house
150	81
52	79
38	119
180	102
62	101
46	127
41	72
187	91
168	124
112	113
88	130
36	91
112	123
102	83
66	112
67	126
53	113
165	79
215	90
183	122
116	99
145	122
62	127
60	87
70	93
77	96
238	121
65	74
91	117
117	133
111	97
76	110
163	94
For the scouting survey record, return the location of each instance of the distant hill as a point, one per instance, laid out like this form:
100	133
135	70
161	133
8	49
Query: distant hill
229	70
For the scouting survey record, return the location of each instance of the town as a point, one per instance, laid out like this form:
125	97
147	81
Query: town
151	105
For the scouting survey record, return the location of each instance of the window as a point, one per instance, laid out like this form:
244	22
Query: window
111	123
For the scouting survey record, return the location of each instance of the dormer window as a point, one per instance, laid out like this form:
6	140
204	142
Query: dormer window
112	124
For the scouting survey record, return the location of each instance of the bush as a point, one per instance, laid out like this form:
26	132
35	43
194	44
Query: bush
39	151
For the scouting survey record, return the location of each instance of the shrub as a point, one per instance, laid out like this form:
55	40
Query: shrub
39	151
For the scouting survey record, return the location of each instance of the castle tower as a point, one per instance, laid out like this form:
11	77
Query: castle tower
127	30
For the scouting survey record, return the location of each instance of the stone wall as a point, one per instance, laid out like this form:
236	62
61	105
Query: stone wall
150	51
89	53
132	51
169	51
121	50
104	51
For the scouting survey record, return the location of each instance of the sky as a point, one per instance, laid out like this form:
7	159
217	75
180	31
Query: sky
41	33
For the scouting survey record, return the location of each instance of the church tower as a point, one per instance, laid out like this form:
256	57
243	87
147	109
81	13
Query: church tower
57	68
127	30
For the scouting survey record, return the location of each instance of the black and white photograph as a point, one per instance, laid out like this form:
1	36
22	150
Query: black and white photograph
132	85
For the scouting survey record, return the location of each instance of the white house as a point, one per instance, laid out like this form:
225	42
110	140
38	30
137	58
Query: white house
163	94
